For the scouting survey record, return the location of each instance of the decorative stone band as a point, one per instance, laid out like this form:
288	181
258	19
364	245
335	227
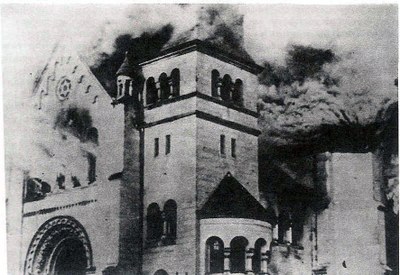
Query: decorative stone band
52	209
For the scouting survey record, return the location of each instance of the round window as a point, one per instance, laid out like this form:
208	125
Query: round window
64	89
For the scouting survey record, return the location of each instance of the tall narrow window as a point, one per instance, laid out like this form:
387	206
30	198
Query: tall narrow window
237	93
154	224
222	145
214	255
151	91
170	209
164	86
226	88
175	79
214	83
233	147
167	144
238	254
156	147
91	167
259	247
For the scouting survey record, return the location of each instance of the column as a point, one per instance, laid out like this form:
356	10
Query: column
164	234
264	262
249	258
288	234
227	254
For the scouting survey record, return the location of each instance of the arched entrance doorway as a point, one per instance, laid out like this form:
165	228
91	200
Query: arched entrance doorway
60	247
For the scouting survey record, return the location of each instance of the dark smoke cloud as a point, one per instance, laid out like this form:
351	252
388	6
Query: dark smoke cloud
138	48
310	105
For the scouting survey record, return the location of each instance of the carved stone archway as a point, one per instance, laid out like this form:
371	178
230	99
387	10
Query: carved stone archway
42	252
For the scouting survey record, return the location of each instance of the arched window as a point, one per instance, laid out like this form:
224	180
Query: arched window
237	93
175	79
214	255
161	272
154	224
151	91
226	88
164	86
170	221
259	247
214	83
238	254
92	135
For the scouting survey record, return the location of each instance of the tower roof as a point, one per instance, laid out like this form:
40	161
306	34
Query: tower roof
232	200
126	68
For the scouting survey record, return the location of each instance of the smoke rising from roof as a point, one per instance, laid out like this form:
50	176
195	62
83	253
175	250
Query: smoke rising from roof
320	101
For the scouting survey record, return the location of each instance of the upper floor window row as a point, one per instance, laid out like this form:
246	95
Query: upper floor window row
227	89
165	87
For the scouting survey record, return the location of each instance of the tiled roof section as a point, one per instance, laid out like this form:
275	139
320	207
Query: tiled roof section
232	200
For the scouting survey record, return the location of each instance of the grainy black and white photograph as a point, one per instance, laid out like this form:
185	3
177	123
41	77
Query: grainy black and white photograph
201	139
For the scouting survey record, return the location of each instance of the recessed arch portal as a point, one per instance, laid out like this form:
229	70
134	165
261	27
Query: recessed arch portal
60	246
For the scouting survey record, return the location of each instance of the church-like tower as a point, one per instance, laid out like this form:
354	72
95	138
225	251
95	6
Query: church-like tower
197	195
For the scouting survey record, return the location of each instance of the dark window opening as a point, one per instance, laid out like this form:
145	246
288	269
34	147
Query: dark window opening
237	93
222	145
214	255
75	182
258	249
156	147
61	181
175	79
151	91
93	135
154	224
215	81
238	255
161	272
233	147
36	189
91	168
127	87
170	215
226	88
167	144
164	86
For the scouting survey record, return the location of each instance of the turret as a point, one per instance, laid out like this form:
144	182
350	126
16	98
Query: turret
130	82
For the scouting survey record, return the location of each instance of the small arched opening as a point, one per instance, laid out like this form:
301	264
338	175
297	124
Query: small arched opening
161	272
170	216
214	83
226	88
175	79
154	224
214	255
237	93
164	86
238	254
260	247
151	91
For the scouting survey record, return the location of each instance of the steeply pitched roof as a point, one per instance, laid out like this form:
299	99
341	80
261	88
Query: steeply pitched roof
232	200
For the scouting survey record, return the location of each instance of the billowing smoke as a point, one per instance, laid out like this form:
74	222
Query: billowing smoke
321	101
138	48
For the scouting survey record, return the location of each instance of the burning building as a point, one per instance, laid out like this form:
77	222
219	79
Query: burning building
156	169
